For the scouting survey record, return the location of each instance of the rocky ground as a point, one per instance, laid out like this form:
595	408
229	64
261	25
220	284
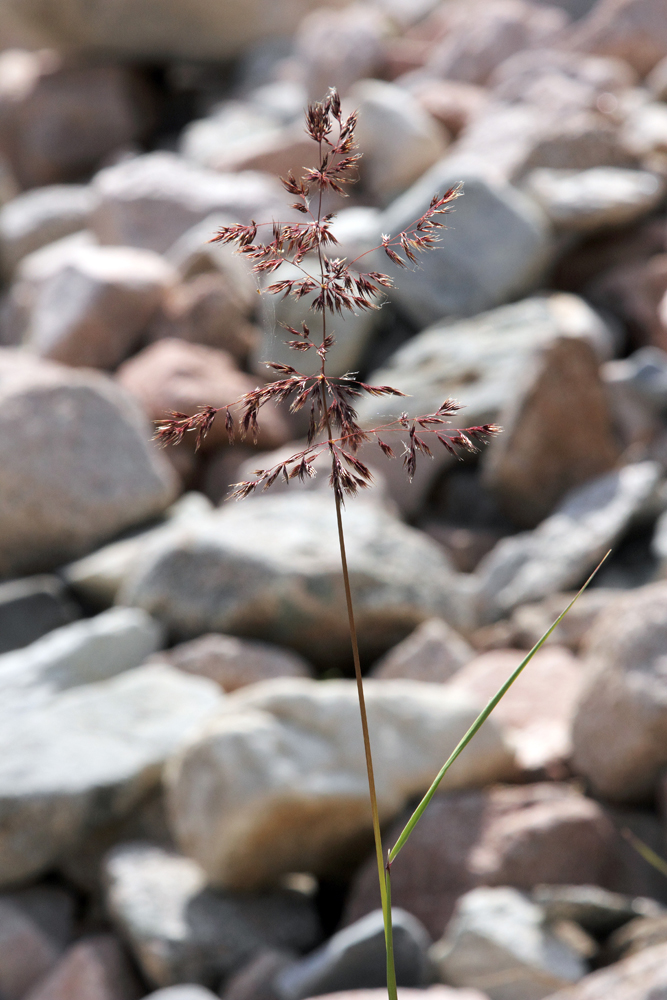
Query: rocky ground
183	800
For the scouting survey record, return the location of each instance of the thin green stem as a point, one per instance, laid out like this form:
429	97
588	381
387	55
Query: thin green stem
476	726
646	852
389	939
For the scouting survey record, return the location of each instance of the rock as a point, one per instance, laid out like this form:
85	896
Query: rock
77	464
334	48
538	710
206	310
353	331
635	936
624	695
270	570
58	122
478	362
233	131
432	993
472	48
557	433
434	652
497	941
633	291
637	387
175	375
95	969
208	32
232	663
567	545
517	836
30	945
452	103
181	931
84	652
633	30
92	311
184	991
39	217
497	250
255	980
355	958
96	578
285	765
597	910
588	200
397	139
30	608
69	764
152	200
529	622
644	131
656	81
640	977
193	254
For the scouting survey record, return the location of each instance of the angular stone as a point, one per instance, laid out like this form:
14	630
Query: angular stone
29	950
397	139
568	545
31	607
557	433
633	292
656	81
270	570
497	251
597	910
634	30
538	710
95	968
355	958
625	695
450	102
497	941
152	200
92	311
434	652
640	977
285	765
77	464
57	122
83	652
589	200
635	936
173	375
529	622
86	756
95	579
513	836
233	663
181	931
478	362
206	31
39	217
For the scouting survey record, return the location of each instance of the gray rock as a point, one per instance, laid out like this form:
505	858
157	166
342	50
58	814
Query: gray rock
590	200
193	254
478	362
151	200
96	578
254	981
624	694
77	464
184	991
597	910
567	545
85	756
92	311
557	433
181	931
83	652
39	217
207	31
31	607
497	248
284	764
35	926
270	569
640	977
497	941
433	652
355	958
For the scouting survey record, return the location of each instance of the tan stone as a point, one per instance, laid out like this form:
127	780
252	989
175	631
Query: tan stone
640	977
434	652
634	30
451	102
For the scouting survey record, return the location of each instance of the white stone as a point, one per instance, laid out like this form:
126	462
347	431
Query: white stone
497	941
284	765
39	217
86	757
603	197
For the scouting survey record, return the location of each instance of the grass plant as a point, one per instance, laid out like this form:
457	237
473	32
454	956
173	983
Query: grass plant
341	285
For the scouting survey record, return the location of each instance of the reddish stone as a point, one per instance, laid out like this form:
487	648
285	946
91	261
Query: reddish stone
94	969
